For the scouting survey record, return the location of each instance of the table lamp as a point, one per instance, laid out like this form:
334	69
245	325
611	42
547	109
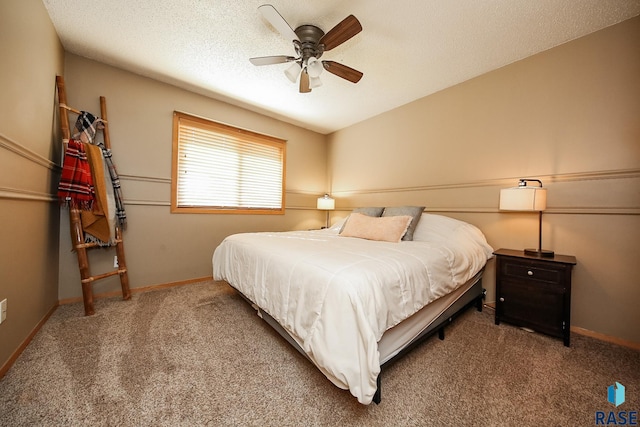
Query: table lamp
326	203
525	198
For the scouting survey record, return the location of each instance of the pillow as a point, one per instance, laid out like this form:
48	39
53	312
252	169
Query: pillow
443	229
415	212
369	211
390	229
338	225
433	226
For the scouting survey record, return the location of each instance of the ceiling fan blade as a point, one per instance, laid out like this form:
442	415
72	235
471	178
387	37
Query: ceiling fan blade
349	27
304	82
269	60
271	14
343	71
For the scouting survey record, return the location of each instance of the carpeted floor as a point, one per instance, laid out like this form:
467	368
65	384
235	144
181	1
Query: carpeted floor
198	355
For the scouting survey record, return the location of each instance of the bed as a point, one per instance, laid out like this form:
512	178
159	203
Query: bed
350	304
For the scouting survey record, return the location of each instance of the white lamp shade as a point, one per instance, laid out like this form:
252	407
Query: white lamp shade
326	203
314	67
314	82
523	199
292	72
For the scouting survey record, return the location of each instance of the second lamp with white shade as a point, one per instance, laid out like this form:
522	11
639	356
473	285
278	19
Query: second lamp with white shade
326	203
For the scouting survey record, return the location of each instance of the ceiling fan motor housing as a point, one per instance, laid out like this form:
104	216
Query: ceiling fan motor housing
308	43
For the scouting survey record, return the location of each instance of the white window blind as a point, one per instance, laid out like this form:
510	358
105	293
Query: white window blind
219	168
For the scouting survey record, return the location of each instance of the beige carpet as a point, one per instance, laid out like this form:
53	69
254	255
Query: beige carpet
197	355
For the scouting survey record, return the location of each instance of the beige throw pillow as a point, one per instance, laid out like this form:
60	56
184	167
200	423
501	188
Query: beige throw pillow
387	229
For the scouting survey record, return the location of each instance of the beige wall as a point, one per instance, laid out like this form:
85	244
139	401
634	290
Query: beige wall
29	215
569	116
162	247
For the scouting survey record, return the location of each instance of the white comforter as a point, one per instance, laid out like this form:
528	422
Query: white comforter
337	295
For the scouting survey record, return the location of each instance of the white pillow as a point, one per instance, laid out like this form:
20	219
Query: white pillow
431	225
338	225
439	228
387	229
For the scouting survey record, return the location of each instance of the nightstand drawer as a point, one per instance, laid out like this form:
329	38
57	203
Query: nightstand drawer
528	271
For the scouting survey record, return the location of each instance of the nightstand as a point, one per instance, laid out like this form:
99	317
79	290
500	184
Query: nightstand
534	292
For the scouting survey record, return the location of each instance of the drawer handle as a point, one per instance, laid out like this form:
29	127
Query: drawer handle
501	299
529	273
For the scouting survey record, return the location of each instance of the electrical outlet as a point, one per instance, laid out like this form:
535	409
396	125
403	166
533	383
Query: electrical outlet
3	310
115	261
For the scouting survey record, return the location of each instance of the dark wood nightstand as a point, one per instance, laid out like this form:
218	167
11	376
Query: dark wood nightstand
534	292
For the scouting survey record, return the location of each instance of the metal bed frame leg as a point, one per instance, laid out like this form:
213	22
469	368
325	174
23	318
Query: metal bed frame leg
482	296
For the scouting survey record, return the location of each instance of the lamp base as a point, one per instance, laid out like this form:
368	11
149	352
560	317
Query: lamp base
543	253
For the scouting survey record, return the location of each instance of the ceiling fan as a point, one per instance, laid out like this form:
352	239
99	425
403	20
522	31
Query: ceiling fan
310	42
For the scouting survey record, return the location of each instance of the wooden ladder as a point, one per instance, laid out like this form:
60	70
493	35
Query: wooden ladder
77	232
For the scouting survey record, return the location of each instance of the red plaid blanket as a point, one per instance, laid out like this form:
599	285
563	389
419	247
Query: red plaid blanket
76	185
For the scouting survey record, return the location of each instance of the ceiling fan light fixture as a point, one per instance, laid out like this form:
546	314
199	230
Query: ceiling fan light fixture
292	72
314	82
314	67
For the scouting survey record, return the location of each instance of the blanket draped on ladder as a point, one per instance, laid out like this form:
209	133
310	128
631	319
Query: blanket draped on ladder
99	223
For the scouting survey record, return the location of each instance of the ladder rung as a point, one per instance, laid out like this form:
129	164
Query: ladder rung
90	245
105	275
86	245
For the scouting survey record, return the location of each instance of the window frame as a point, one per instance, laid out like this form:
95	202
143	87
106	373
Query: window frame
233	132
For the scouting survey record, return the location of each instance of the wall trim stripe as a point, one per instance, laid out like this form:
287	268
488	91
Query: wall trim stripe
19	149
502	182
21	194
553	211
144	178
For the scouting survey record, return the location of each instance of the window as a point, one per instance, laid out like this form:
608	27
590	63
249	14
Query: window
218	168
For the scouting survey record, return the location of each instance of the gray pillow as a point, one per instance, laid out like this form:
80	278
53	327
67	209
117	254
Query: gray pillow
369	211
413	211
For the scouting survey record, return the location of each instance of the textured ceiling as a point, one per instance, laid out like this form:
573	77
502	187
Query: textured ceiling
408	49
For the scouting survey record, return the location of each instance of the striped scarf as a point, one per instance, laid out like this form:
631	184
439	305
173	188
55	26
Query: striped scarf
115	181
